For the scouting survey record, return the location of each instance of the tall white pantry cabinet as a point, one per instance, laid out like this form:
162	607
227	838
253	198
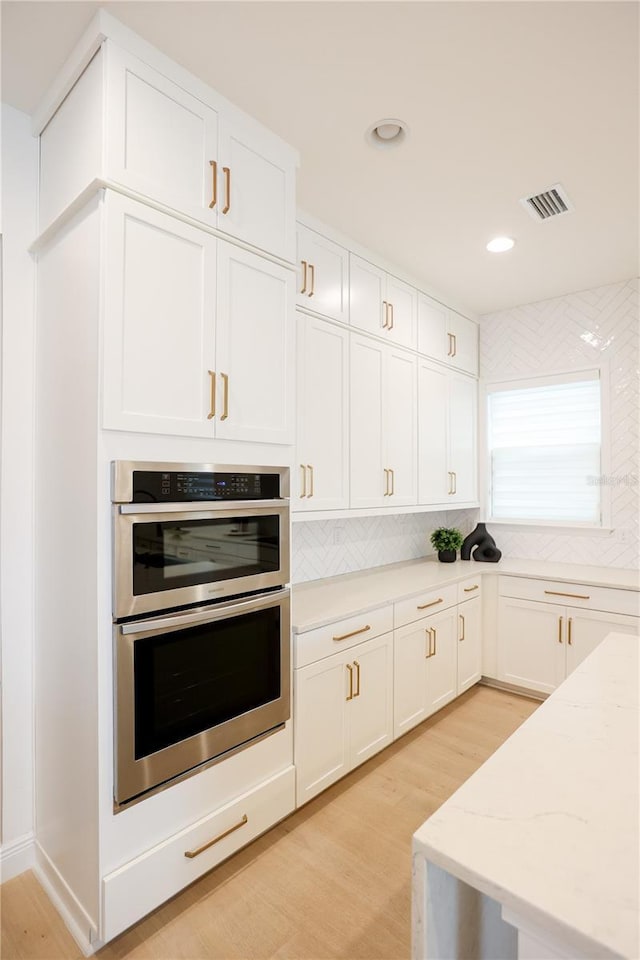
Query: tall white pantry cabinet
166	311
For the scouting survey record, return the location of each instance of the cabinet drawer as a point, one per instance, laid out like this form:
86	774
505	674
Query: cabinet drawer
424	604
572	594
140	886
469	589
340	635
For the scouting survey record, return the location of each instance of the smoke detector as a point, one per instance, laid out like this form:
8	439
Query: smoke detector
549	203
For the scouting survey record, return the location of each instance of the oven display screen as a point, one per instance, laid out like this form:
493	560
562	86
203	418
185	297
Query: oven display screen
153	486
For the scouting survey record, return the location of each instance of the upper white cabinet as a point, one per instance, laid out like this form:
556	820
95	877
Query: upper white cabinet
447	336
323	275
183	353
322	434
381	304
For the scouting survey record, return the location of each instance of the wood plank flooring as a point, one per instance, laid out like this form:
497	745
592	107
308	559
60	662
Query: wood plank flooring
331	881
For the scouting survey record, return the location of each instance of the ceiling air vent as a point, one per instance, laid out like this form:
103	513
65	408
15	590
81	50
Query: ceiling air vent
550	203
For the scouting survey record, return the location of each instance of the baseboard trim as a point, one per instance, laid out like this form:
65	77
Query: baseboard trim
77	920
512	688
16	857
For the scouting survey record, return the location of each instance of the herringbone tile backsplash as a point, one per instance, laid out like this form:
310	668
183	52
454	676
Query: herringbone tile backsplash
588	329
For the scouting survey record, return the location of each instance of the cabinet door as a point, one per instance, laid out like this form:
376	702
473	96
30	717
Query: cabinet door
371	710
254	351
366	405
469	644
323	275
410	651
403	307
367	285
463	416
432	328
256	193
586	630
531	644
400	438
322	442
465	343
433	478
160	139
442	663
159	313
320	732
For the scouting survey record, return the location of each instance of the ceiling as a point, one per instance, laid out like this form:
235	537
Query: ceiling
502	99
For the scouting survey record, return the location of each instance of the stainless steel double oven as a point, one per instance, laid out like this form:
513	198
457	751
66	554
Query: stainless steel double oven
201	616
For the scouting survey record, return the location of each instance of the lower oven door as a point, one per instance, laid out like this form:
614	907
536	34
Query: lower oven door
194	685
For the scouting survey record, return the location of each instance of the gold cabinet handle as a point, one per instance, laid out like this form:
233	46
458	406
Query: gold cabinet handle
433	603
435	641
449	354
212	405
357	666
569	622
462	625
312	268
227	189
385	310
304	481
469	589
190	854
560	629
576	596
455	345
310	469
393	482
354	633
455	482
225	396
390	316
214	185
450	491
386	482
304	276
427	633
350	669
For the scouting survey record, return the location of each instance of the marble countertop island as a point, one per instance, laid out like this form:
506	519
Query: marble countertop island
545	832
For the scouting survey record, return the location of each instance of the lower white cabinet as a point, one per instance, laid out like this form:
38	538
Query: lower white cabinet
469	644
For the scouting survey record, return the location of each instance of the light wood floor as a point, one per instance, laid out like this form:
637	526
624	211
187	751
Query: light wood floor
331	881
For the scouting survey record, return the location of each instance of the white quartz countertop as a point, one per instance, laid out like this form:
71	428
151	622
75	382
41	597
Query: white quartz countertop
320	602
548	826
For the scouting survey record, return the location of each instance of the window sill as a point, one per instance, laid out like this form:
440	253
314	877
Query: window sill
578	529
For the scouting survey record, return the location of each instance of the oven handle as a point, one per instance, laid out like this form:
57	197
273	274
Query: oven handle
219	611
201	505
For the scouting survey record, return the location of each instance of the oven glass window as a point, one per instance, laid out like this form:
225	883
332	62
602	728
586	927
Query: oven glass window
181	553
191	680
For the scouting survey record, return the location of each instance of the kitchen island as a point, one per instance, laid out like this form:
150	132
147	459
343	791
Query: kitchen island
536	855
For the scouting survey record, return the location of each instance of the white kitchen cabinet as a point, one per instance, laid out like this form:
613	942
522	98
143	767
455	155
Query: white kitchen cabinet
447	436
323	275
442	666
343	713
198	333
447	336
469	644
584	631
383	424
321	476
381	304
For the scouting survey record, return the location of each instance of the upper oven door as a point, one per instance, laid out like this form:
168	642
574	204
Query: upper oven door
166	557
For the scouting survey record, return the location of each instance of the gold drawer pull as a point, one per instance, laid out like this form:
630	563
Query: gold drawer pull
312	270
354	633
225	396
212	409
310	469
214	190
462	625
190	854
385	310
569	622
357	666
227	189
433	603
469	589
350	669
560	619
304	276
576	596
304	481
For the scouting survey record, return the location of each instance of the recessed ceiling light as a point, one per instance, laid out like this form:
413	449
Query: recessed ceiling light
387	133
500	244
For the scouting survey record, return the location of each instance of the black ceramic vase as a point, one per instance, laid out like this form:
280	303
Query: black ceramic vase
446	556
485	546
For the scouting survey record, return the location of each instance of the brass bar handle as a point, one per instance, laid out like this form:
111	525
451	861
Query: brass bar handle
225	396
354	633
560	619
576	596
391	316
190	854
450	491
427	633
214	190
386	482
350	669
455	483
312	268
435	641
304	276
304	481
357	666
433	603
460	639
469	589
212	405
310	469
393	482
449	354
455	345
227	189
385	310
569	622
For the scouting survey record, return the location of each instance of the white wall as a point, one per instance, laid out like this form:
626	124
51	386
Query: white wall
19	177
587	329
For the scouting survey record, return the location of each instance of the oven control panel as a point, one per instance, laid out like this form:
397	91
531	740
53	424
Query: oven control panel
175	486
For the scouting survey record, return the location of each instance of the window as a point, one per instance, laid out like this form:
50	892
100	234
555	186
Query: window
544	440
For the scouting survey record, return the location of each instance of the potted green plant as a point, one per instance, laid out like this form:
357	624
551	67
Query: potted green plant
447	541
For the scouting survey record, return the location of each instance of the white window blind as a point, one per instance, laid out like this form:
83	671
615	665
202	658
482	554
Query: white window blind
544	446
